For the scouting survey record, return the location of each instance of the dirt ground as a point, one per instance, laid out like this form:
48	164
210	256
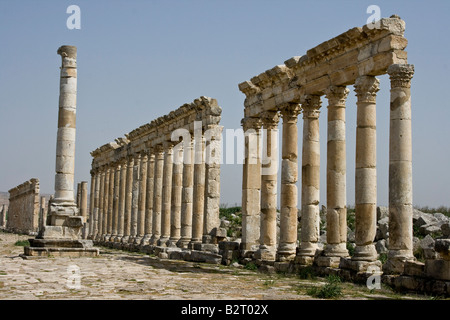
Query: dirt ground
121	275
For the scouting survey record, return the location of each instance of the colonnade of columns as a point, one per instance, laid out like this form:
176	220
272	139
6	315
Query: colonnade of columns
259	188
165	193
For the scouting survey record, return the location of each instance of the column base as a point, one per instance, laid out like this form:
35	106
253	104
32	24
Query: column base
145	240
395	263
193	243
365	253
125	239
307	249
118	238
154	240
183	243
162	242
336	250
360	266
265	253
172	242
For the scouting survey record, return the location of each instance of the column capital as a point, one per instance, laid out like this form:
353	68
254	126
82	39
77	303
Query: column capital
311	104
290	112
251	123
366	88
270	119
158	149
401	75
337	95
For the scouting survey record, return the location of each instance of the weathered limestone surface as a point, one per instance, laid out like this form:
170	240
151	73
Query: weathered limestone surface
24	208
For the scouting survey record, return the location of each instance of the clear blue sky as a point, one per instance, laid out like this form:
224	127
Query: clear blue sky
138	60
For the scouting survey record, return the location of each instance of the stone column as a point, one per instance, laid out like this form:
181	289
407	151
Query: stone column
366	88
269	174
122	200
101	195
157	194
78	194
112	173
289	176
310	220
135	197
91	204
149	199
128	200
199	191
63	204
42	214
166	194
177	187
142	198
105	203
336	174
211	220
251	184
400	169
187	195
96	204
115	219
83	208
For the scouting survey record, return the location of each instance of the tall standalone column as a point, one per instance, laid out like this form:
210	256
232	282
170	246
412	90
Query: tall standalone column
166	193
148	219
289	176
366	88
269	174
336	174
142	199
63	204
199	191
400	168
177	186
187	196
96	204
128	200
211	221
251	184
157	194
310	219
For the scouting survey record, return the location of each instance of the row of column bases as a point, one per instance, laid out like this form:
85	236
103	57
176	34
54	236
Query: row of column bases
259	191
157	197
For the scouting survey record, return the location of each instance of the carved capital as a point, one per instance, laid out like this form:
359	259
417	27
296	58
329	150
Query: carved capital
401	75
251	123
311	104
337	95
366	88
270	119
290	112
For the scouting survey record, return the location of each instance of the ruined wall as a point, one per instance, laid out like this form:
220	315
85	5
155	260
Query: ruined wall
23	212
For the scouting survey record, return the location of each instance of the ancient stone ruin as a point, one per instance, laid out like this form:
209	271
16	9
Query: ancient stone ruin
61	234
160	184
24	208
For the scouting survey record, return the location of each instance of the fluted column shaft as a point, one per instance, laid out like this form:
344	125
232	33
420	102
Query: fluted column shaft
310	220
366	88
400	168
157	194
94	215
289	176
149	199
336	173
251	184
187	195
269	174
128	200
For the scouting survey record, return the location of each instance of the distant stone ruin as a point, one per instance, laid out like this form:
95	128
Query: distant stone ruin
24	208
